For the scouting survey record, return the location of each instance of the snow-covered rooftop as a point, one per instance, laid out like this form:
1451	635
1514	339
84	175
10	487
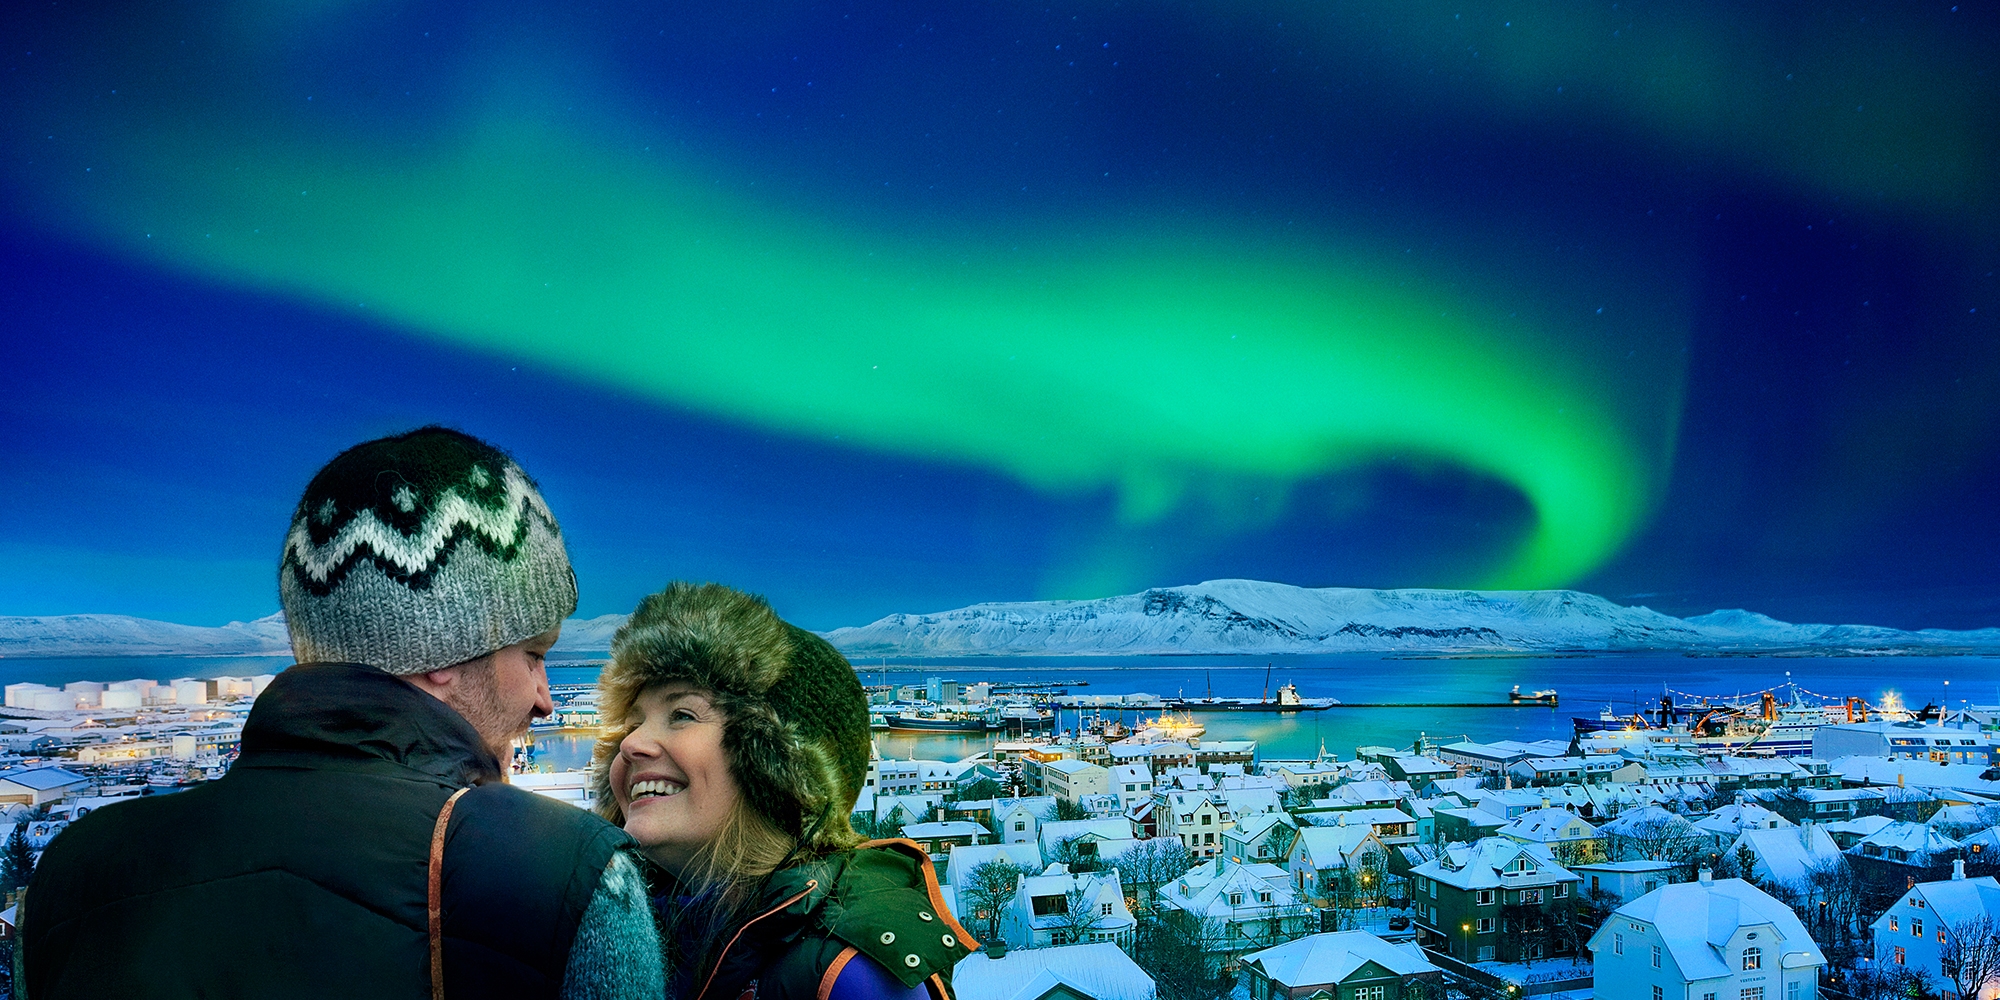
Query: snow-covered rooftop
1326	959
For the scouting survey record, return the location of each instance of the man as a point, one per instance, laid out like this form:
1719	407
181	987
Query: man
423	580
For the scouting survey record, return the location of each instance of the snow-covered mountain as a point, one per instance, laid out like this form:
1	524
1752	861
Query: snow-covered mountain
122	635
1247	616
1217	617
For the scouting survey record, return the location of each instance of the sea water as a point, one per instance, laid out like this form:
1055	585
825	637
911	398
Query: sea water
1587	685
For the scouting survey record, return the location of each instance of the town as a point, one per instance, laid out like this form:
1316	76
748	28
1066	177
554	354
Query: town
1637	861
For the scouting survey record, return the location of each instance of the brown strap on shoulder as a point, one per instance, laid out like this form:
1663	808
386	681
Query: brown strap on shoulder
436	891
833	972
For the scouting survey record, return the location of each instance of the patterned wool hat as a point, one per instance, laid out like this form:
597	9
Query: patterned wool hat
797	720
419	551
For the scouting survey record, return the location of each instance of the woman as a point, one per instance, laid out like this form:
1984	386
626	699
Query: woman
739	748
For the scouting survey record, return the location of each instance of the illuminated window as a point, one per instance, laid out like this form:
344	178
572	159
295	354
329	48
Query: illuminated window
1753	958
1898	958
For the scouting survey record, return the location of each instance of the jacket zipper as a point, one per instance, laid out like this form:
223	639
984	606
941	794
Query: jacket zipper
811	884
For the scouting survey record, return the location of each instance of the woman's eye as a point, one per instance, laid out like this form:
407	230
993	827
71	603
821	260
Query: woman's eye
683	715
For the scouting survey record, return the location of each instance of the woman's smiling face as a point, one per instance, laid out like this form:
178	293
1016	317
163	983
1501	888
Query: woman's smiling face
671	777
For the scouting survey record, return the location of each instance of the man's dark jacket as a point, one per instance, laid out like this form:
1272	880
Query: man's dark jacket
303	872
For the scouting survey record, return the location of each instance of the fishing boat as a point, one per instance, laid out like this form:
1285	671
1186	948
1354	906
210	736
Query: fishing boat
953	722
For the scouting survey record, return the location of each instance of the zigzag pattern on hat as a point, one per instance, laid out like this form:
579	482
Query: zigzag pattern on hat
413	558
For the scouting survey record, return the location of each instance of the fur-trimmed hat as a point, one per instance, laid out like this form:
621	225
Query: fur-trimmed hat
416	552
796	729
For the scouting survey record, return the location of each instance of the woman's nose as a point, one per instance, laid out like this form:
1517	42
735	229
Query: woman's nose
637	744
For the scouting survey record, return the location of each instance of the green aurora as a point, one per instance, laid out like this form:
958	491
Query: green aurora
1175	366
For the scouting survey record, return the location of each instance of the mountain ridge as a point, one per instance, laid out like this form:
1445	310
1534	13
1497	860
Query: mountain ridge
1216	617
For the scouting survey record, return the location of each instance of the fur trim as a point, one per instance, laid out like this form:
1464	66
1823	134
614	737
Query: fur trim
796	731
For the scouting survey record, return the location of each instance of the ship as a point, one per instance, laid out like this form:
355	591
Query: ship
1767	727
953	723
1287	700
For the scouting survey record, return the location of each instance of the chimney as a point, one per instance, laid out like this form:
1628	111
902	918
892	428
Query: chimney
1958	870
1706	876
996	948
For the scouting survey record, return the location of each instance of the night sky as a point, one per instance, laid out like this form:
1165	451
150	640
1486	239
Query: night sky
879	308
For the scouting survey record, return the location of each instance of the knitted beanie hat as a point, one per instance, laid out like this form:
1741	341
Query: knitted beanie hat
415	552
796	719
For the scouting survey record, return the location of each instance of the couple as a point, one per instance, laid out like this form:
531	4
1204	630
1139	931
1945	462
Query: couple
366	843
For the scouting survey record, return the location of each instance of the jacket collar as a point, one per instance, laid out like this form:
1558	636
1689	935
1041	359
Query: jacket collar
356	712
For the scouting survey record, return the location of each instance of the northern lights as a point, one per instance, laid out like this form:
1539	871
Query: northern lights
1410	240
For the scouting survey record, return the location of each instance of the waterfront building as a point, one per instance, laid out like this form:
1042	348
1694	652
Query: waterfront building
35	787
1710	939
1905	741
1074	972
1953	784
1932	925
1341	965
1496	900
1494	758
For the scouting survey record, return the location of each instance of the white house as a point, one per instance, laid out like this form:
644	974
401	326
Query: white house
1710	939
1196	818
1264	836
1924	929
1232	909
1626	880
1553	826
1132	783
1341	964
1323	854
1040	914
1089	838
1075	972
1724	825
1788	856
1017	821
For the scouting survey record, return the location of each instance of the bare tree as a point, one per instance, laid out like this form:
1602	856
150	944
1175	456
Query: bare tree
1151	863
1079	854
1278	842
988	887
1657	838
1067	810
1971	955
1171	951
1081	912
